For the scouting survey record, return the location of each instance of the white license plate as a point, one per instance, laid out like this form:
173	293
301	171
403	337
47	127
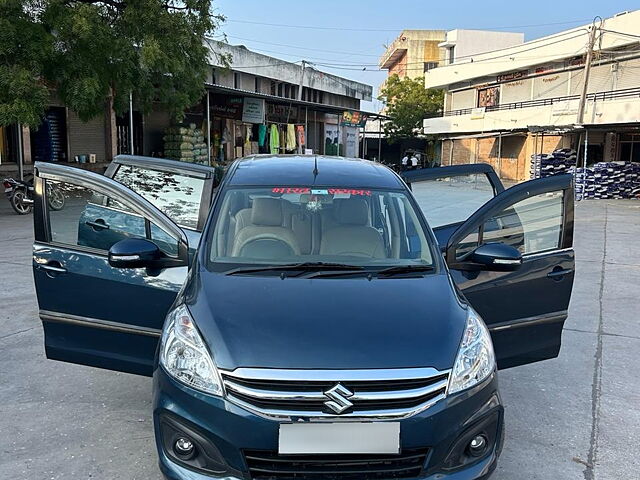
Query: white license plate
339	438
8	189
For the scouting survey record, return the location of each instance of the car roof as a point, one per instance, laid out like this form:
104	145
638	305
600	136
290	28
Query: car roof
163	164
298	170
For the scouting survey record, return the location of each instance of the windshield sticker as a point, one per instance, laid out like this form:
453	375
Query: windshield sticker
300	190
328	191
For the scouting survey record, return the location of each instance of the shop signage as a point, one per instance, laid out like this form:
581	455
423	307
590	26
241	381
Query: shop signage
350	136
610	147
282	112
353	119
331	139
489	97
510	77
253	110
477	113
226	106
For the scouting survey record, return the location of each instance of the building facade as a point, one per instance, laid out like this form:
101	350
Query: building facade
413	53
506	106
459	45
252	90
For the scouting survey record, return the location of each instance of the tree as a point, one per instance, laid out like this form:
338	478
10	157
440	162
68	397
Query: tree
90	50
408	103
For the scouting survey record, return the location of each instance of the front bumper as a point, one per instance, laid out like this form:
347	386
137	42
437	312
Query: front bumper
227	430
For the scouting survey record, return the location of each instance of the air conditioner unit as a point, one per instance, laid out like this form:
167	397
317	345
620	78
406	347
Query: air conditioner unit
614	67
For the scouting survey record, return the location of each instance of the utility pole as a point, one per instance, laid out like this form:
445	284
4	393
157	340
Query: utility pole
304	64
131	150
587	71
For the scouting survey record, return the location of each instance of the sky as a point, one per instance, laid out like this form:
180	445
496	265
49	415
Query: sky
351	34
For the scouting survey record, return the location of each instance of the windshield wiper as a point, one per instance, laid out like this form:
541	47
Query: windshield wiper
402	269
302	267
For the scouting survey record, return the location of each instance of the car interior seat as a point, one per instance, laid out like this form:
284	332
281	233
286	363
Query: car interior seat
352	234
265	237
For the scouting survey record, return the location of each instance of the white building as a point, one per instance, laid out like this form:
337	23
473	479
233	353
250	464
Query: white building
460	45
503	106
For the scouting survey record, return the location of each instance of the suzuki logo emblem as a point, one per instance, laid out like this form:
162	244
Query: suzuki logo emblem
338	398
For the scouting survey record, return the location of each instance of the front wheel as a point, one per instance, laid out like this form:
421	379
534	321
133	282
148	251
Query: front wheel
56	199
19	204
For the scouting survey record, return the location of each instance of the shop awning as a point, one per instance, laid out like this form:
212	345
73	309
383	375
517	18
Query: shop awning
317	107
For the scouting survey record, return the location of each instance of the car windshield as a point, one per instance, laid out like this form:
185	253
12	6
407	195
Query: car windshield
329	227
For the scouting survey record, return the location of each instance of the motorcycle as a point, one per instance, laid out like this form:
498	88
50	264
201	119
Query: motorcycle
20	195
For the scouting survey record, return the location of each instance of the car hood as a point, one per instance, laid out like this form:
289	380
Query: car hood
327	323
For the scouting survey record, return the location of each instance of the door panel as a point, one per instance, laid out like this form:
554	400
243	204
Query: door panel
92	313
524	309
450	195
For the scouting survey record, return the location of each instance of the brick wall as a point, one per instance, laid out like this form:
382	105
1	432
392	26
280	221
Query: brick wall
512	163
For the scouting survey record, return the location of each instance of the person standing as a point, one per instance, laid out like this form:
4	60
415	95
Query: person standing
414	162
405	161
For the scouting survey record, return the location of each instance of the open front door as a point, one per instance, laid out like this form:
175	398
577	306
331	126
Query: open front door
92	313
449	195
524	308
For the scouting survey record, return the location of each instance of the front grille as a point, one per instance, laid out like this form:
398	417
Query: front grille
307	393
266	465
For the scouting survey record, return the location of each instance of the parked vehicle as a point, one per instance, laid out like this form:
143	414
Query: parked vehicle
322	329
20	195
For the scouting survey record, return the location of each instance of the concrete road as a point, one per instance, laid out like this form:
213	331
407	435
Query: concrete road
576	417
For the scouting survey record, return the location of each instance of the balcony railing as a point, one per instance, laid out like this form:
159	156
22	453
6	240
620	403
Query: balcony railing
544	102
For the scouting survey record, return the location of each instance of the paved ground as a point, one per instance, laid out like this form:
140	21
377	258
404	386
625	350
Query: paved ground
576	417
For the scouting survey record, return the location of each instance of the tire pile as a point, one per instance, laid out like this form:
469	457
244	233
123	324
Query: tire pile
185	144
558	162
608	180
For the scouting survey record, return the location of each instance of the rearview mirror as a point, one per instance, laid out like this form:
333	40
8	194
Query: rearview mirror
134	253
497	256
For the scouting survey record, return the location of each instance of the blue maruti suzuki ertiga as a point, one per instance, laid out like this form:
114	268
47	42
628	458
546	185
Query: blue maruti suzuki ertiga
313	325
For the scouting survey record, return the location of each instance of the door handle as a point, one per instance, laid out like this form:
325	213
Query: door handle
98	224
53	267
557	273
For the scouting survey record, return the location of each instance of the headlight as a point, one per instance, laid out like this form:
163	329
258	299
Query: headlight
475	360
185	356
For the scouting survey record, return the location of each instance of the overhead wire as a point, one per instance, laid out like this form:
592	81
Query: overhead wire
305	48
351	29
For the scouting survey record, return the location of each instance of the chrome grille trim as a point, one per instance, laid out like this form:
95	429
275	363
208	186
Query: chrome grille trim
290	394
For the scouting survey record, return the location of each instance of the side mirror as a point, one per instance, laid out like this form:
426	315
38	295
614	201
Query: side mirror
497	256
134	253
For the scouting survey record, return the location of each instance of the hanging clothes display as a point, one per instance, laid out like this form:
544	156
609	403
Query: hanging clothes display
300	138
291	137
262	134
247	142
274	139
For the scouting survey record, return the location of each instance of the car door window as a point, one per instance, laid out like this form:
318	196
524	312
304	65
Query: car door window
532	225
177	195
450	200
93	220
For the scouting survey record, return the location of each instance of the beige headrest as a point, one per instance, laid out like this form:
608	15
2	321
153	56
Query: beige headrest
266	212
354	211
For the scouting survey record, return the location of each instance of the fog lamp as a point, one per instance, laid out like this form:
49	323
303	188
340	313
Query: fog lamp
184	447
478	445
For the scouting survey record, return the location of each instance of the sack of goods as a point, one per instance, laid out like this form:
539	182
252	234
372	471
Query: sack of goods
185	144
608	180
560	161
